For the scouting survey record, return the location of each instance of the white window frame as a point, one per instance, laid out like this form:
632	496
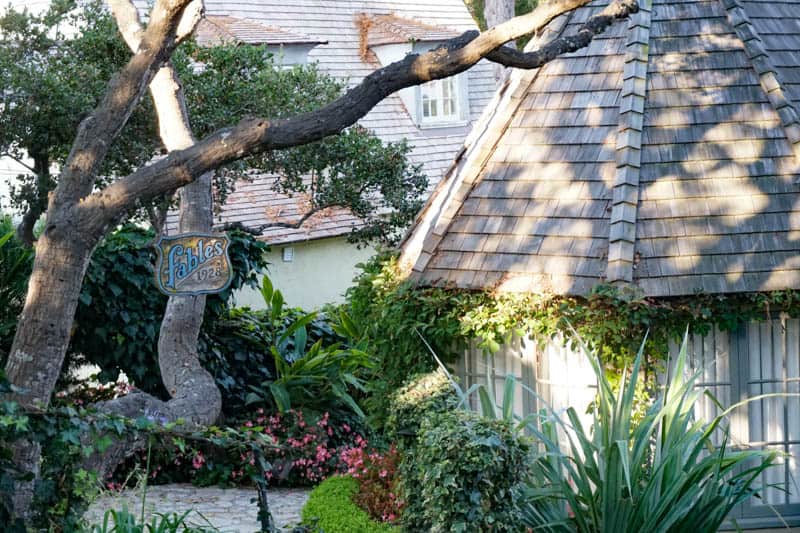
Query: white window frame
740	354
452	91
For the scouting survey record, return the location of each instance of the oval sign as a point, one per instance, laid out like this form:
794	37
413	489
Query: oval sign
193	263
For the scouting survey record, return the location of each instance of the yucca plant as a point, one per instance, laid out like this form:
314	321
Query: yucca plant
662	475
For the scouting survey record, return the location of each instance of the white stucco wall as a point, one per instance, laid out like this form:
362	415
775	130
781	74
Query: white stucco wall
319	273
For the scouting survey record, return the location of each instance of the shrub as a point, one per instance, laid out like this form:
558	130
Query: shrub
462	475
330	509
121	333
662	474
307	449
316	377
422	397
15	267
376	473
235	348
393	313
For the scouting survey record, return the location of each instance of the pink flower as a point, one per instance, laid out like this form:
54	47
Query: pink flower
383	474
198	461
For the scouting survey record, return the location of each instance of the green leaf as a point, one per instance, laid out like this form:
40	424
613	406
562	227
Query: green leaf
281	397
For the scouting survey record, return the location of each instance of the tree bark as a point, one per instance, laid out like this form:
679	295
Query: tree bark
496	12
36	205
54	286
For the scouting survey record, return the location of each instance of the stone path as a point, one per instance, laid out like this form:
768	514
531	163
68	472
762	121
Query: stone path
228	510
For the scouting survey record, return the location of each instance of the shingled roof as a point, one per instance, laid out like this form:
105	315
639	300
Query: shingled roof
664	155
214	30
391	29
335	24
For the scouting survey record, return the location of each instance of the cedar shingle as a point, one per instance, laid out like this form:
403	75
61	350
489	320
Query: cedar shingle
678	148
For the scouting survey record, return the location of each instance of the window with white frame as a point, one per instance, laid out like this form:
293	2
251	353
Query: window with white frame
755	359
441	101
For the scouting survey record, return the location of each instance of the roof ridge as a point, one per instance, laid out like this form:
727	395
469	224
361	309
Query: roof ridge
625	197
456	193
767	73
384	19
219	27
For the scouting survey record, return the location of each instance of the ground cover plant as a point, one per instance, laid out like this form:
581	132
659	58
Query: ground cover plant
331	509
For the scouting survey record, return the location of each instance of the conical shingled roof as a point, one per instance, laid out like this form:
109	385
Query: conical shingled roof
663	155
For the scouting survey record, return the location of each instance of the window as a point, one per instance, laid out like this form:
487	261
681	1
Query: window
440	101
758	358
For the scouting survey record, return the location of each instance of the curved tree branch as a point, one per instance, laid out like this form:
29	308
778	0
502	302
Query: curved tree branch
254	135
511	57
97	131
258	230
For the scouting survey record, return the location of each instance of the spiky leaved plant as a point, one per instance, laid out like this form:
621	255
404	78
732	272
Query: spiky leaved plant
662	475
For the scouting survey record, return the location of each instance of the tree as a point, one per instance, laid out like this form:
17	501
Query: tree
52	81
78	216
44	70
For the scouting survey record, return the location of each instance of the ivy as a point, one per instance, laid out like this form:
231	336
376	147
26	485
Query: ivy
120	309
69	434
611	320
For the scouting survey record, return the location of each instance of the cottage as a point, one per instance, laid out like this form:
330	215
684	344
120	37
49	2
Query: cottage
349	40
663	159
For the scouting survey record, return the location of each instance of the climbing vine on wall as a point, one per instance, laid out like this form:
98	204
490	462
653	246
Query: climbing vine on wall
611	320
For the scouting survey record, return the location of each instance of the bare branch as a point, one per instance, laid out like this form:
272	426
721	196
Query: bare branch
256	135
511	57
258	230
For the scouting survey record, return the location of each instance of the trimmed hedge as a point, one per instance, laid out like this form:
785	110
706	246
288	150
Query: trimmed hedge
462	475
423	396
330	509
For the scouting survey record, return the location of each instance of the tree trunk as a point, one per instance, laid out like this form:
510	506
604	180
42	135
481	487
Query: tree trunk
194	393
37	204
195	397
496	12
43	334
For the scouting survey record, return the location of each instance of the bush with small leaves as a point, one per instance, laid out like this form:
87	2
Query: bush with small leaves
422	397
330	508
462	475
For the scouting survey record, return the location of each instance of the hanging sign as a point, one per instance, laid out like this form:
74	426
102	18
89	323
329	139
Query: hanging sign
193	263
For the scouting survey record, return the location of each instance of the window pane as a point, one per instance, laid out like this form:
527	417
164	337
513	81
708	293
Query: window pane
773	350
440	100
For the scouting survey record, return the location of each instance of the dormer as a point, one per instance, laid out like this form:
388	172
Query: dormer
436	104
286	47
